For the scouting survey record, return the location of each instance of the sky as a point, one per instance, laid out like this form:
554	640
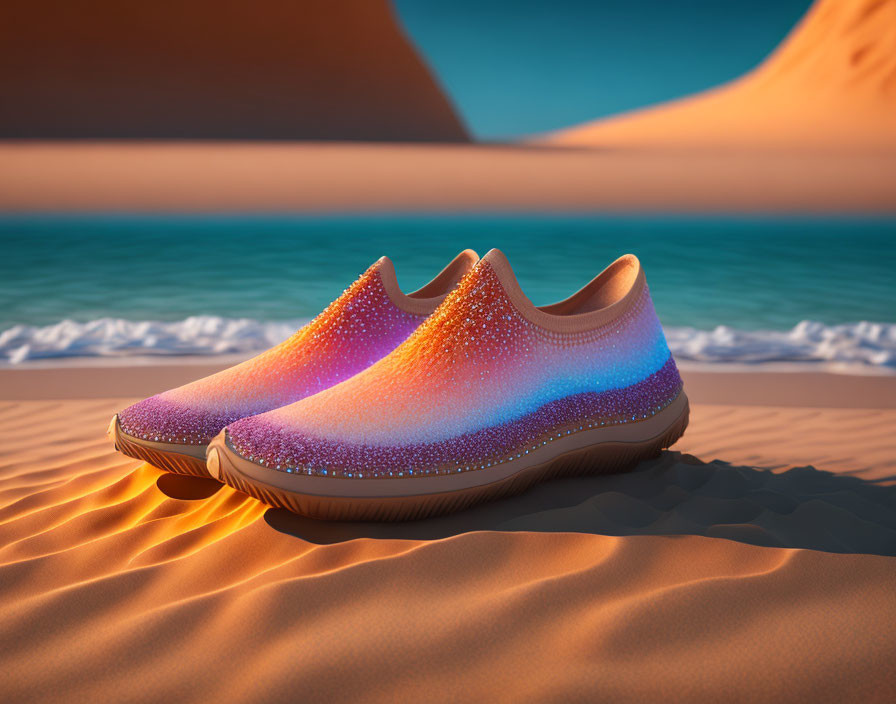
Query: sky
520	67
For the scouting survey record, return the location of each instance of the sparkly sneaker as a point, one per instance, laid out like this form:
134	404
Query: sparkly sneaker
488	396
371	317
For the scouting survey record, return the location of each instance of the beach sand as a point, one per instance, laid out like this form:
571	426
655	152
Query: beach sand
244	177
753	562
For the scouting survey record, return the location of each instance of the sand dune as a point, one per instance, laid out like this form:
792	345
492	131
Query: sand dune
119	582
831	84
203	69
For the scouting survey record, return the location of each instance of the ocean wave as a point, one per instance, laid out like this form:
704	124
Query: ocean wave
867	344
114	337
864	343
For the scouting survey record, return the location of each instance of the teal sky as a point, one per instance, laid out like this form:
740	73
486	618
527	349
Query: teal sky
518	67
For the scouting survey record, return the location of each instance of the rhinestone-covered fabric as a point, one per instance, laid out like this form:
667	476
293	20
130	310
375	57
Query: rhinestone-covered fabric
477	384
353	332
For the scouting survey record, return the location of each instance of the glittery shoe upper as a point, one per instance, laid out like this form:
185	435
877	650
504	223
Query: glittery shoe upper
365	323
485	379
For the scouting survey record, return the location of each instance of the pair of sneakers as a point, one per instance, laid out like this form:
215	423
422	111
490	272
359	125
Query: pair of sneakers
394	406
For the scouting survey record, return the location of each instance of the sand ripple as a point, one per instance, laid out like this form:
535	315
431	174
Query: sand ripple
119	582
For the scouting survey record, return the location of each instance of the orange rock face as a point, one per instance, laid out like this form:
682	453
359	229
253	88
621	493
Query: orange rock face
831	83
215	69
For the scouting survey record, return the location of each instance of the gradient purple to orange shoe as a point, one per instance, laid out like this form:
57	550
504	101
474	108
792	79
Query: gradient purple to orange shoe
364	324
486	379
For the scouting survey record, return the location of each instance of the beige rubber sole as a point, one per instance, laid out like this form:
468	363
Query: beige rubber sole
598	451
180	459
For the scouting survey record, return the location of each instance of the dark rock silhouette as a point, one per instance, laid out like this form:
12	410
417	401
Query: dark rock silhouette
215	69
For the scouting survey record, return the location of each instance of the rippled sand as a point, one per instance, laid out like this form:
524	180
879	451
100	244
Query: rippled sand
753	562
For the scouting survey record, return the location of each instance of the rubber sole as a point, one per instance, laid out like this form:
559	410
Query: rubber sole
389	499
180	459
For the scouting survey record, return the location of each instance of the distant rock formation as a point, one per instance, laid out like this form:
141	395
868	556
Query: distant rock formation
215	69
831	84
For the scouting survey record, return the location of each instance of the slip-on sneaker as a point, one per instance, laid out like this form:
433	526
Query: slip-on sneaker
171	430
488	396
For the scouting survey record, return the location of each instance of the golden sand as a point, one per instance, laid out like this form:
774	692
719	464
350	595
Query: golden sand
747	560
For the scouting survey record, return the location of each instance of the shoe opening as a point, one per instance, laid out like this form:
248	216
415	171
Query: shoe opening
611	286
449	277
602	300
425	300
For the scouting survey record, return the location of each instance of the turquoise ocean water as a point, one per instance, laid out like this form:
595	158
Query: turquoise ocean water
74	285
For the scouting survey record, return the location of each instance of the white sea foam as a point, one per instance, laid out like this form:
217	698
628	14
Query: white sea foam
865	344
114	337
857	344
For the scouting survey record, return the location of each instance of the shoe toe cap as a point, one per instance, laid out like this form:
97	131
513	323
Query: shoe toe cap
163	420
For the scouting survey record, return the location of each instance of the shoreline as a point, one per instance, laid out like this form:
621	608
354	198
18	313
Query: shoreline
781	385
317	177
221	361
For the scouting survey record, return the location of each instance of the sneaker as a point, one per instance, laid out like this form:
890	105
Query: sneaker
171	430
490	395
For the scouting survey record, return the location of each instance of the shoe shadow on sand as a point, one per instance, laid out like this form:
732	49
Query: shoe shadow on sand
178	486
675	494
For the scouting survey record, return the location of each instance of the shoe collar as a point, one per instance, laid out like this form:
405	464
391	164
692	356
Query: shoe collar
607	297
426	299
